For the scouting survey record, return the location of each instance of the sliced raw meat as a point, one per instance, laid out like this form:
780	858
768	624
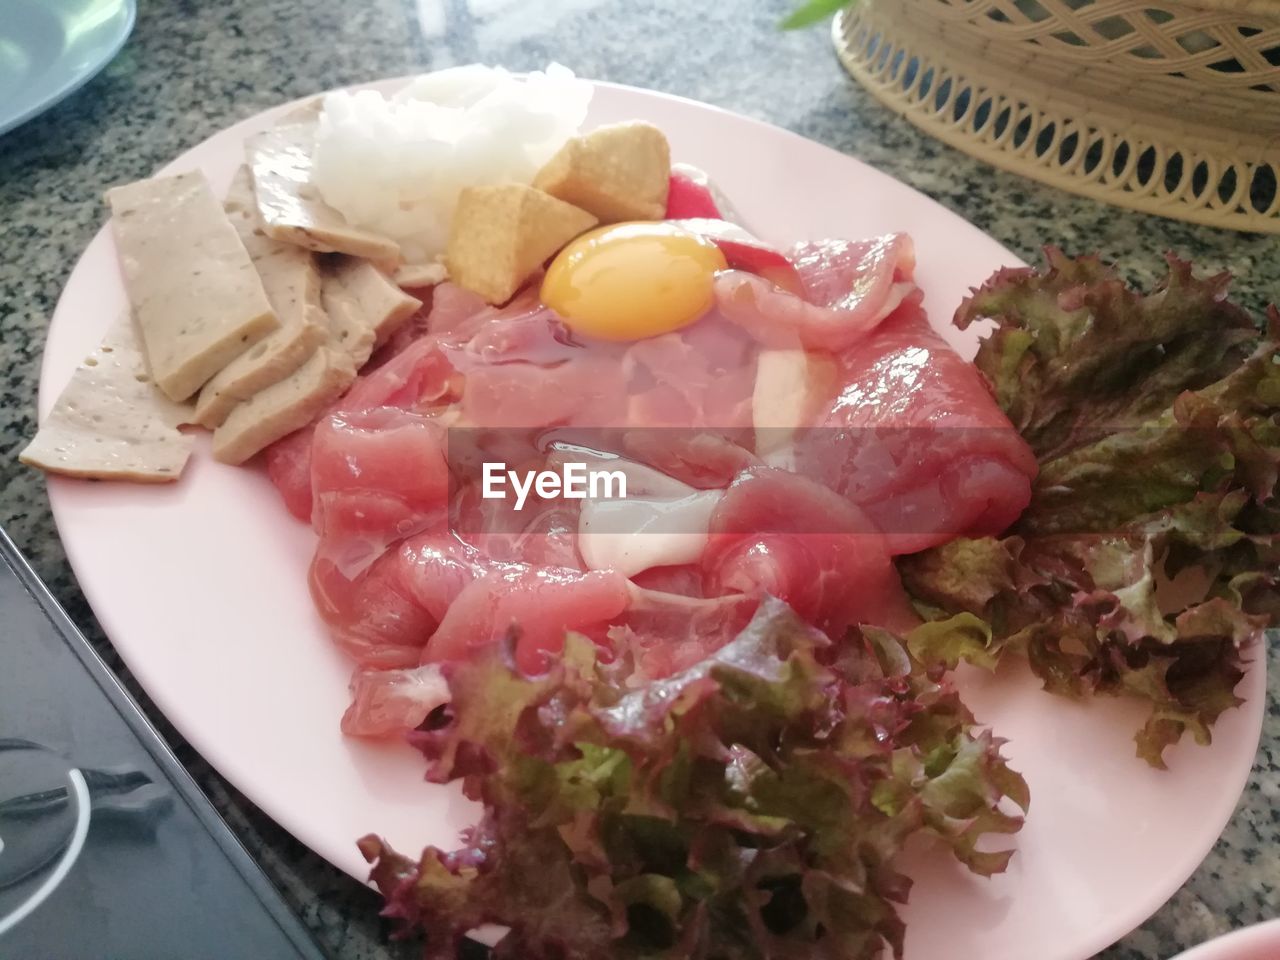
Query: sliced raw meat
584	391
525	332
539	603
377	477
702	376
689	195
375	618
412	329
844	274
686	580
849	288
744	251
386	702
703	459
382	618
779	534
435	597
915	438
289	467
419	378
544	533
384	450
456	310
435	567
890	443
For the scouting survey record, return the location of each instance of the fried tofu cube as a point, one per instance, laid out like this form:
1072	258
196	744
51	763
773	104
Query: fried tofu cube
502	234
619	172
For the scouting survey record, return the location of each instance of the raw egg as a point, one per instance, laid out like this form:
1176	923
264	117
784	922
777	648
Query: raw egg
629	281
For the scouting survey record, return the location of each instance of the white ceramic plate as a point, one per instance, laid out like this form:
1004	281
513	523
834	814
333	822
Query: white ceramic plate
202	588
1252	943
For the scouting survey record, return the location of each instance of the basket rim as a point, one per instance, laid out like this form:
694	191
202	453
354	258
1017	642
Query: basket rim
1264	7
1053	111
1271	7
1245	113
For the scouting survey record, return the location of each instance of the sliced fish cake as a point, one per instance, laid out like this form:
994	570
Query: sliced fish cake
195	293
283	407
291	206
291	277
364	306
412	276
111	422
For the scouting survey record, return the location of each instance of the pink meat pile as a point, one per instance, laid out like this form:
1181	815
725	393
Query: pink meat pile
901	447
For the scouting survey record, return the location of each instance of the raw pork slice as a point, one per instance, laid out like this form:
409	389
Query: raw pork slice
916	440
377	617
436	597
289	467
377	477
849	288
780	534
418	377
821	427
386	702
539	603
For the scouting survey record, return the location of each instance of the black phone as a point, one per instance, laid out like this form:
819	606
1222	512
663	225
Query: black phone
108	848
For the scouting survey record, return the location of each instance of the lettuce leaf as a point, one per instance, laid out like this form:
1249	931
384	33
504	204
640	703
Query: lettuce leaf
1146	561
1077	352
748	808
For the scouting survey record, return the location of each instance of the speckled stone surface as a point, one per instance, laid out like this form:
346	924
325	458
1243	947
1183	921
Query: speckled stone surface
194	67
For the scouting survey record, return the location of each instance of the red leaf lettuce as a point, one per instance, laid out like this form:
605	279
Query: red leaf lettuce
749	808
1145	563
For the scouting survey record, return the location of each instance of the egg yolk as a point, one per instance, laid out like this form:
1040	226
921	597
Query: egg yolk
633	280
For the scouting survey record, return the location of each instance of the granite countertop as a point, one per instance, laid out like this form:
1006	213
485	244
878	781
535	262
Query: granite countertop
192	68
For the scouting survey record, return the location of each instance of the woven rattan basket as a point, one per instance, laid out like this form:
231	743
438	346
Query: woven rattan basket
1167	106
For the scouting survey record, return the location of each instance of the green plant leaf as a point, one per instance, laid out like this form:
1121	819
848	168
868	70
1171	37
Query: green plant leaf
811	12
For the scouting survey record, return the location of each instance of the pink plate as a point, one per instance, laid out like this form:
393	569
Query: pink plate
202	588
1252	943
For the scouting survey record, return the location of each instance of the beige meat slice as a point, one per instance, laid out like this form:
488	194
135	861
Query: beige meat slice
291	277
349	331
364	306
283	407
415	275
194	291
111	422
291	206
